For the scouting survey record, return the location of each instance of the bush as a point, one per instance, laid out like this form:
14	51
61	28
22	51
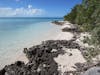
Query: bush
96	36
87	27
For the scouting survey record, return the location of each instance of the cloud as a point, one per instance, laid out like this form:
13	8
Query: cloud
29	11
29	6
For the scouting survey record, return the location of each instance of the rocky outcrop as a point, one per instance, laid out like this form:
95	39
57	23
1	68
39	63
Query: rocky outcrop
58	22
41	59
93	71
86	69
73	28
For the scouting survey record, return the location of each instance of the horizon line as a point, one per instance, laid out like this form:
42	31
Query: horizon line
31	17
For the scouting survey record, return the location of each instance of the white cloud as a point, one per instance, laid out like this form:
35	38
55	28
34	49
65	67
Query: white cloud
29	6
29	11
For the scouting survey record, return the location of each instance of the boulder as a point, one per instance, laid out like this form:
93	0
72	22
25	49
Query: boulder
93	71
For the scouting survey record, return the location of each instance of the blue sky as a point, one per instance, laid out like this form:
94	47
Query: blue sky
36	8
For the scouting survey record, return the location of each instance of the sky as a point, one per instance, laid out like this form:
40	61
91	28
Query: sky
36	8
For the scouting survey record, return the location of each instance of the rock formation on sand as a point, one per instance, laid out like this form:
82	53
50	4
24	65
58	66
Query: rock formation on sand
44	59
41	60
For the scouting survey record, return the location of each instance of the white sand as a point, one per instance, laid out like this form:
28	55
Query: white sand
64	36
65	61
67	24
21	57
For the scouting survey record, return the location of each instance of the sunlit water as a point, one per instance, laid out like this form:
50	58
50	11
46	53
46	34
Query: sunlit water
17	33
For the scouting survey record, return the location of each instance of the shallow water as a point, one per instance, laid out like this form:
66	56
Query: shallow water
17	33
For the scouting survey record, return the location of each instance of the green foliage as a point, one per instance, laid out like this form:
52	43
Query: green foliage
87	16
87	12
72	15
87	27
96	35
91	53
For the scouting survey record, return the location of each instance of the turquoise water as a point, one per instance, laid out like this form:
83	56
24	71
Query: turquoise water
17	33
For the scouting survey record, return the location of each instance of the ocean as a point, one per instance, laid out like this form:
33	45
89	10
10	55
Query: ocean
19	33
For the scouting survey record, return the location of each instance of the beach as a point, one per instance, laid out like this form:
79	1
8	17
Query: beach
63	47
49	37
65	61
19	33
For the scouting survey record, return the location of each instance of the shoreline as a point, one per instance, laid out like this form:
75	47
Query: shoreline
60	36
61	54
19	55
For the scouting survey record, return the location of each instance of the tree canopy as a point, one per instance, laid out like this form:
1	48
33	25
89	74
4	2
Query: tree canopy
87	16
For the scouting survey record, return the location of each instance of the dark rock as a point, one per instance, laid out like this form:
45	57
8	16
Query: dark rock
58	23
92	71
25	50
39	56
74	28
2	72
70	54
